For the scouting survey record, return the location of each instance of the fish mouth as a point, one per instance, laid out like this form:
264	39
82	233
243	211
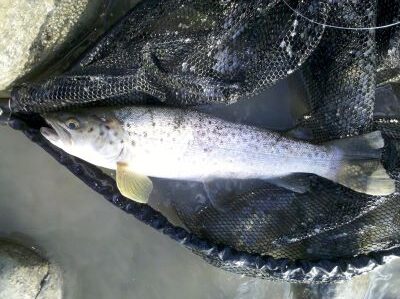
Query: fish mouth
55	132
49	133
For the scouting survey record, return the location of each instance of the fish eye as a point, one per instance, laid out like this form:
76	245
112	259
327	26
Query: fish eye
72	123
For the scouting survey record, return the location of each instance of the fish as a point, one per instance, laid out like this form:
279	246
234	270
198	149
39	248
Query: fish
141	142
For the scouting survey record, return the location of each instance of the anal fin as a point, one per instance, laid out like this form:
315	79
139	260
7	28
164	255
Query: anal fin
299	183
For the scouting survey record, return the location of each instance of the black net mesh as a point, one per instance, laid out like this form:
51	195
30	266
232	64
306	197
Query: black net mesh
186	52
341	85
327	222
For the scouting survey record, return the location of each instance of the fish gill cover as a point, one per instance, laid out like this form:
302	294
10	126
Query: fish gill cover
187	53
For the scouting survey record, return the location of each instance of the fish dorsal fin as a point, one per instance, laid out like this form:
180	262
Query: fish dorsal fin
132	185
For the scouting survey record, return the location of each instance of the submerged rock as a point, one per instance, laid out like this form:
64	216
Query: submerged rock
25	275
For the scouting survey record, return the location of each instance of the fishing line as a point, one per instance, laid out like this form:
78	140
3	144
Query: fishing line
338	27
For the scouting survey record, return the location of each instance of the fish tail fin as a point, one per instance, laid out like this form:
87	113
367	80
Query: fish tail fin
360	168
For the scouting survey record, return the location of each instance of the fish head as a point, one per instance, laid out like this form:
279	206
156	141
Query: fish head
96	137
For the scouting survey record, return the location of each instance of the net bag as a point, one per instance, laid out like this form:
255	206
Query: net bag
183	53
188	53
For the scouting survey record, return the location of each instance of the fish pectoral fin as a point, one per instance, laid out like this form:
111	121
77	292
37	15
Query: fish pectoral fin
299	183
132	185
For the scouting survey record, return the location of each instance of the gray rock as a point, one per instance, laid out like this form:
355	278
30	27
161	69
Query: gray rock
32	31
42	37
26	275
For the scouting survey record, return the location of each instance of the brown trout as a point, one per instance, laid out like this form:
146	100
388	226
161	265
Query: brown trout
141	142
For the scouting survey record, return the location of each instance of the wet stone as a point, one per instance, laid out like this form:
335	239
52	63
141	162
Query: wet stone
24	274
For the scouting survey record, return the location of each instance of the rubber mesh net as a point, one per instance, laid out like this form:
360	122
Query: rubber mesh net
327	222
191	52
184	53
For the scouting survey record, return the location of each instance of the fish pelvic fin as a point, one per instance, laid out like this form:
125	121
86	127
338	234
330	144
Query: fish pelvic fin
132	185
360	168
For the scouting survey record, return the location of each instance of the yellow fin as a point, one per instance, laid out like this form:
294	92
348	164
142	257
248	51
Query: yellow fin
132	185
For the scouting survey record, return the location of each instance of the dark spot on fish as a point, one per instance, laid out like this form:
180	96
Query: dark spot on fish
153	124
209	122
111	142
145	134
101	133
107	127
115	134
122	141
90	130
133	143
128	125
